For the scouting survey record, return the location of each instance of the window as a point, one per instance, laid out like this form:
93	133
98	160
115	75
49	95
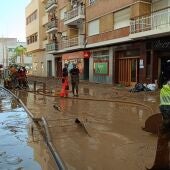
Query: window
32	38
122	18
62	12
101	62
91	2
31	17
93	27
159	5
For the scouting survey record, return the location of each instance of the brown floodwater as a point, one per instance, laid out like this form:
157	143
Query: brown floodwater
111	136
19	150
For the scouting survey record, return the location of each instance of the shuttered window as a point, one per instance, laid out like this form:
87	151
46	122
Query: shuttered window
122	18
159	5
93	27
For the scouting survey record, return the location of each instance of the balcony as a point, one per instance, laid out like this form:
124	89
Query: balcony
51	26
153	25
51	47
73	43
74	16
51	4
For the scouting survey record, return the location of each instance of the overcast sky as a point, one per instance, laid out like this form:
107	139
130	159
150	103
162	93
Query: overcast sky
12	18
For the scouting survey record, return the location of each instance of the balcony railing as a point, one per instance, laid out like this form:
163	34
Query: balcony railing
73	42
51	47
155	21
50	4
51	26
76	13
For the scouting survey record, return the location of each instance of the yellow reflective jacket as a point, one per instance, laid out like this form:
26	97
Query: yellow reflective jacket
165	95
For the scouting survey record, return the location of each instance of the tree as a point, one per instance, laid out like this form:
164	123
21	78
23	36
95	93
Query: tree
12	59
20	51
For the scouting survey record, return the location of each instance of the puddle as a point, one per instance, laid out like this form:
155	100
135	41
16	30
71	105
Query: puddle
17	149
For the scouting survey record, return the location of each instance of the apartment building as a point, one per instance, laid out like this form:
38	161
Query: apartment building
5	46
113	41
7	52
36	19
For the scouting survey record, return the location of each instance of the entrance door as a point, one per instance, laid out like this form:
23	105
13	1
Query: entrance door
58	65
49	68
127	71
86	69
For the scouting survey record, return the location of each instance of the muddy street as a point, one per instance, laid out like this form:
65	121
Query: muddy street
97	131
18	148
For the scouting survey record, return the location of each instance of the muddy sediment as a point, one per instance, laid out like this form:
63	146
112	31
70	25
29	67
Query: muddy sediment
111	136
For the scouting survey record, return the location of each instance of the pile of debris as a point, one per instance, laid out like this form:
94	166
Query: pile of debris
143	87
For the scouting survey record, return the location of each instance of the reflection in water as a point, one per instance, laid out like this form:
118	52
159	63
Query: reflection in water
15	151
18	151
87	91
140	113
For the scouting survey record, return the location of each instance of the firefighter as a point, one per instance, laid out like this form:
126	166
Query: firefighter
165	104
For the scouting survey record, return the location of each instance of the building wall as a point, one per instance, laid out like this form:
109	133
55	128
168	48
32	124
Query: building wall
109	36
37	49
34	26
101	8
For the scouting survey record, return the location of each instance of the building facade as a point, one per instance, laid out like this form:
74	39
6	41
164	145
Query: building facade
7	52
6	44
36	19
111	41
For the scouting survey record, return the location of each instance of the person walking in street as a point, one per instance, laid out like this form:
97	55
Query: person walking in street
165	105
65	83
74	73
65	71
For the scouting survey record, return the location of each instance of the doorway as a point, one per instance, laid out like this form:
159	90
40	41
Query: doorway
49	68
58	65
165	70
127	71
86	69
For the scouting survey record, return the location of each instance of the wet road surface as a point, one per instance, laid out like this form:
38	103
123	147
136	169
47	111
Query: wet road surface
18	151
115	139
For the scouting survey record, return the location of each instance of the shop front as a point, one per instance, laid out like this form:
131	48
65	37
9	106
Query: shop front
127	64
101	65
81	59
142	62
58	66
161	59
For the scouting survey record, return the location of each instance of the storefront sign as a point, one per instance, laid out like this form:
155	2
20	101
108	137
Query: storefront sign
101	67
86	54
74	55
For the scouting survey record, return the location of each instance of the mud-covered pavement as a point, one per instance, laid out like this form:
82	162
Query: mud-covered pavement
111	136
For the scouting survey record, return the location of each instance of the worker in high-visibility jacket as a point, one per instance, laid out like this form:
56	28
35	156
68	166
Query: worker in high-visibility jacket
165	104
